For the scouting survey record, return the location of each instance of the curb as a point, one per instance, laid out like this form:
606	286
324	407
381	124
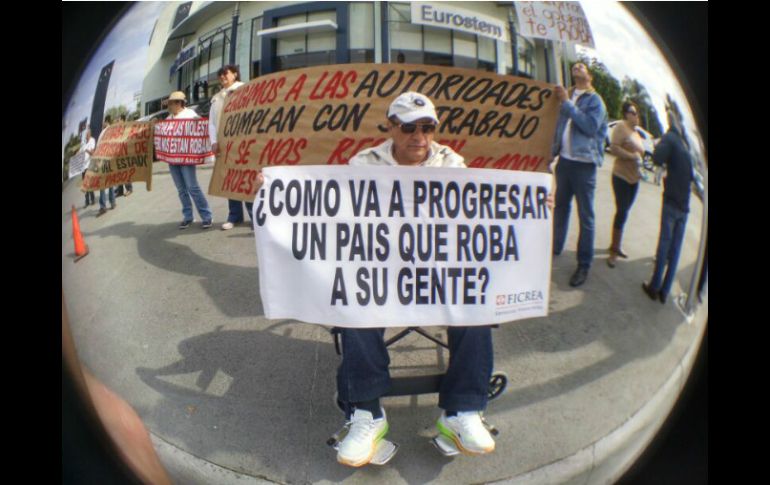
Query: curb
606	460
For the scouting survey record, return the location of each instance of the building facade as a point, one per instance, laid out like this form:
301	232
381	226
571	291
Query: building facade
191	41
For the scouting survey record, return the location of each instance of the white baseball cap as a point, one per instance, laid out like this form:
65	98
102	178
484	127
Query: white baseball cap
411	106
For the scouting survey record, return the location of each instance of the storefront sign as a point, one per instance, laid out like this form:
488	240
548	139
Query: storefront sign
455	18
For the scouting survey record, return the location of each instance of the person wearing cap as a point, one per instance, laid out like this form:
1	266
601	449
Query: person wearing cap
184	175
230	78
363	376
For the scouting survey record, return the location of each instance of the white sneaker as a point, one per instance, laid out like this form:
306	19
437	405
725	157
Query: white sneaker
360	444
467	431
227	226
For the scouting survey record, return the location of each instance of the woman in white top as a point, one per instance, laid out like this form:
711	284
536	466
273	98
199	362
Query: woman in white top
89	148
230	78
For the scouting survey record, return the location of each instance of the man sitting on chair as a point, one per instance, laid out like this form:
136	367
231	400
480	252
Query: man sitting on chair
363	376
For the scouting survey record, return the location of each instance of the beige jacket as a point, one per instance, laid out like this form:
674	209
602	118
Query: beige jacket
382	155
626	145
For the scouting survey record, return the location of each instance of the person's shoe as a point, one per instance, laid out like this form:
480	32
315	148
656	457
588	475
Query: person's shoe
612	259
205	224
467	431
360	444
129	192
112	206
185	224
654	295
662	297
102	211
580	277
622	254
227	226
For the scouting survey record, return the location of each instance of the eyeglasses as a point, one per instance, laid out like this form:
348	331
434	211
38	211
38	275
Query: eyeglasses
409	128
632	113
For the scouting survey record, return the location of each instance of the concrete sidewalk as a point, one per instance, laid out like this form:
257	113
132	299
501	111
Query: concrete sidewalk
172	321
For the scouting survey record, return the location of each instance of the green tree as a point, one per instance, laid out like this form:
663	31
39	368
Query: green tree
635	92
673	106
606	85
116	112
655	127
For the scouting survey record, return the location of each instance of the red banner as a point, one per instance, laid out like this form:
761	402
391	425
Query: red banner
183	142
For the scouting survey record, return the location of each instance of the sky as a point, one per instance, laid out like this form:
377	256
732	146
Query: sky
128	45
621	42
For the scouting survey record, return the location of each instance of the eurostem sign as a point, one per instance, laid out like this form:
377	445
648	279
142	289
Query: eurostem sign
455	18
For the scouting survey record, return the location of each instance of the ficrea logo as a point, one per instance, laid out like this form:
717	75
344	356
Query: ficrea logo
520	298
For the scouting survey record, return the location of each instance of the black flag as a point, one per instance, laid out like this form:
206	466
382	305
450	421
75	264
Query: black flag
100	96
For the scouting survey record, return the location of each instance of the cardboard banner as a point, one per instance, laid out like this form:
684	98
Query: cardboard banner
391	246
123	154
324	115
183	142
78	164
557	21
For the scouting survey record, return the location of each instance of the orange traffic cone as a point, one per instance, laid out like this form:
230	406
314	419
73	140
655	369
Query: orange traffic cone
81	250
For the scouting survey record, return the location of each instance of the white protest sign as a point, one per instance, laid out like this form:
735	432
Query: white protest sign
558	21
78	164
402	246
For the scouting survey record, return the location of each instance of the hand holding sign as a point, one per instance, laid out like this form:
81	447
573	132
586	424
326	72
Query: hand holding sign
383	246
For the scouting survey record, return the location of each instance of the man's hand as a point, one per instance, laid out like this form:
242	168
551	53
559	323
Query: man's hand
561	93
215	148
550	201
260	179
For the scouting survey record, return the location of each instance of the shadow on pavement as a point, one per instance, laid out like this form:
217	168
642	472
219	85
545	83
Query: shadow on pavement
231	287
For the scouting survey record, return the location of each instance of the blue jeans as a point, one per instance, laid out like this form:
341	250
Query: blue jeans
575	179
103	202
187	185
363	374
672	226
625	194
235	212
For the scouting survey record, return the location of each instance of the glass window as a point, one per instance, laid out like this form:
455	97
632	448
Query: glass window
256	48
418	44
525	50
464	45
438	40
325	40
361	55
405	36
361	26
306	49
487	49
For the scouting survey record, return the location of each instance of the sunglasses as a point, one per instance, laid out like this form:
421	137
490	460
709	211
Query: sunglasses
632	112
409	128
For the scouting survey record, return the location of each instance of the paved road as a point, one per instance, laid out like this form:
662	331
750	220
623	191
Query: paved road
172	321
